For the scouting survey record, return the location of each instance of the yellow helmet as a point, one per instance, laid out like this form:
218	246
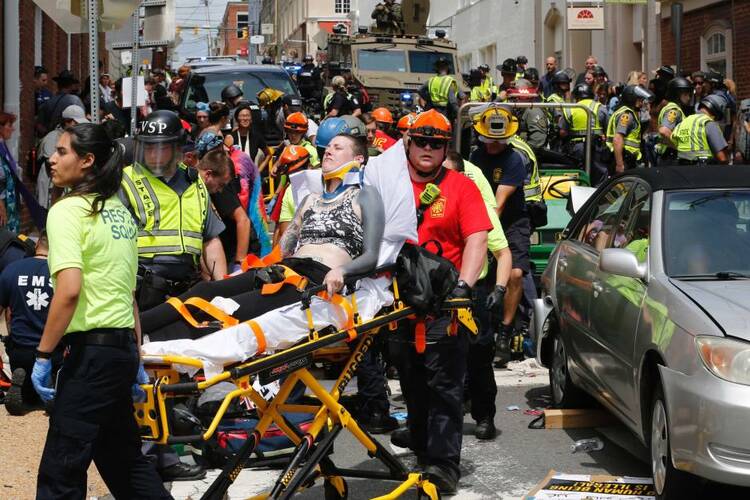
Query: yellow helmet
268	96
496	122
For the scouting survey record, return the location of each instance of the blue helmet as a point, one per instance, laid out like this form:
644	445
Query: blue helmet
329	128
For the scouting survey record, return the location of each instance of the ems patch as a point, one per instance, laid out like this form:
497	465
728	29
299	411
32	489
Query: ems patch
497	174
672	116
437	209
625	119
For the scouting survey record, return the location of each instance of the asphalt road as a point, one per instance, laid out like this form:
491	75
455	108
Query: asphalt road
508	467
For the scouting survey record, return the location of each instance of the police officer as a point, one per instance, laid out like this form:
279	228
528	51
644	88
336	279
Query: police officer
479	92
92	258
488	83
388	18
340	102
441	91
679	95
521	62
624	128
271	103
533	122
573	130
560	86
232	96
432	366
177	229
309	82
698	138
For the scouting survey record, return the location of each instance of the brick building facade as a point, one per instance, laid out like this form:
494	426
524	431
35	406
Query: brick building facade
234	20
714	36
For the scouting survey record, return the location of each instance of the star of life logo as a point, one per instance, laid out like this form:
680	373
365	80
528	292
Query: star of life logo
37	299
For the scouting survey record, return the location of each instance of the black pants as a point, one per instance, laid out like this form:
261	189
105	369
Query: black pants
93	420
21	356
163	322
480	374
371	381
433	387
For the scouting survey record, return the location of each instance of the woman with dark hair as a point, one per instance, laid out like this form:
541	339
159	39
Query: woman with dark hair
10	210
218	118
93	260
245	135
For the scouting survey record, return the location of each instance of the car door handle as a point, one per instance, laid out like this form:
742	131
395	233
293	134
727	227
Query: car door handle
597	287
562	263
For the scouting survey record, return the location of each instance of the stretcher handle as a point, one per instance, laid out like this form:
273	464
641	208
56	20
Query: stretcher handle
180	388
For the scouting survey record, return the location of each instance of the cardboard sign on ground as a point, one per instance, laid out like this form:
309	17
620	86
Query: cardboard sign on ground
573	419
559	486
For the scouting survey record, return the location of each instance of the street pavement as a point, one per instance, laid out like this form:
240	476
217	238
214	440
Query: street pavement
508	467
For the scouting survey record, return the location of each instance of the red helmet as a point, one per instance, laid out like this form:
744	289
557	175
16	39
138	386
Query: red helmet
296	122
431	124
382	115
293	158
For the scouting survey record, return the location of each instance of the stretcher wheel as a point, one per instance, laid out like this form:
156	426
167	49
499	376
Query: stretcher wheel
335	488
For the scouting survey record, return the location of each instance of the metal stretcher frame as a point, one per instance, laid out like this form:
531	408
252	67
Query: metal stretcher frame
310	458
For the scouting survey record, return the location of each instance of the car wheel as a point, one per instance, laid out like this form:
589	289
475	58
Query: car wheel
565	394
669	483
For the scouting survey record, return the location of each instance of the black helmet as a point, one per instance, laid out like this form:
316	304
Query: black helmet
676	86
631	93
522	60
267	60
474	78
484	67
231	91
666	71
308	59
531	74
508	67
442	62
715	78
714	104
598	71
161	126
583	91
560	77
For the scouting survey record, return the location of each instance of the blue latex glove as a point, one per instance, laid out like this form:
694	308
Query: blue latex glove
41	377
139	395
235	268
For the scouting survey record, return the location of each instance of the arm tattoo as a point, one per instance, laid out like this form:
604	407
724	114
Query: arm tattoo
288	241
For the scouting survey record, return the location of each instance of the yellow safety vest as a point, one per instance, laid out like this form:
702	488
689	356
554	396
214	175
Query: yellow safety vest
577	119
661	148
439	88
632	140
168	223
480	94
691	140
532	189
488	85
551	111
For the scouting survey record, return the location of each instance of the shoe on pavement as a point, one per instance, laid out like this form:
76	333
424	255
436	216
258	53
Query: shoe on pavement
485	429
182	472
14	397
401	438
443	479
379	423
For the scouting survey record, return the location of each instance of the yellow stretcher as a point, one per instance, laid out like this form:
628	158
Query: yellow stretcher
310	459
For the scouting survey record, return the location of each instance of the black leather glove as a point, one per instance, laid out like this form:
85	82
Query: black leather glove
495	299
462	291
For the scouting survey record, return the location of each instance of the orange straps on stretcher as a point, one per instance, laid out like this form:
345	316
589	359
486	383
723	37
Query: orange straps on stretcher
253	261
420	336
290	278
205	306
259	336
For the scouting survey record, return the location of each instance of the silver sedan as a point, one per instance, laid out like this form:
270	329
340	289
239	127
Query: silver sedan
646	307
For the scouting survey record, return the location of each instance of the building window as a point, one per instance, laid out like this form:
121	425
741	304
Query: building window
341	6
241	23
716	50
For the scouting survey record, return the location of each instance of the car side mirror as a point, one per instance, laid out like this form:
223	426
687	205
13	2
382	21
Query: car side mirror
622	262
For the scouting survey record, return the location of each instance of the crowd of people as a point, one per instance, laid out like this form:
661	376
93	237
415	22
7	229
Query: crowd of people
175	209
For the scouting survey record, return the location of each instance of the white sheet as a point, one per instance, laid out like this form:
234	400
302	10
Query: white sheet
282	327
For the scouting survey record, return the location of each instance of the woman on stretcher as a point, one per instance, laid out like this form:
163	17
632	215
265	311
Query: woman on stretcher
334	234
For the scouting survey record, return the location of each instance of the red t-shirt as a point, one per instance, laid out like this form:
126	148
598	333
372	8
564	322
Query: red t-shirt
383	140
458	213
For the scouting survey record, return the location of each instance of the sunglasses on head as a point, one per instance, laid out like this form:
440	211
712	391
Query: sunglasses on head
423	142
697	83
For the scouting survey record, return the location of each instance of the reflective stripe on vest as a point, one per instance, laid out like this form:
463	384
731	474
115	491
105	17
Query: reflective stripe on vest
691	139
632	141
168	224
661	148
439	89
577	119
554	98
532	189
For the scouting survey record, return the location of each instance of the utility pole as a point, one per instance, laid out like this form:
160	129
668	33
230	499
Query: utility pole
252	23
208	32
134	70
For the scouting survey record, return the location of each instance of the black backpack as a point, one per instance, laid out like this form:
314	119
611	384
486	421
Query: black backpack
425	279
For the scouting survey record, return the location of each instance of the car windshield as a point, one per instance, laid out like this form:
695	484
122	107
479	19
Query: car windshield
423	61
250	82
382	60
707	234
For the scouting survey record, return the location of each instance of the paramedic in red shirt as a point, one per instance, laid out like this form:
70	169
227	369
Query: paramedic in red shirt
433	381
